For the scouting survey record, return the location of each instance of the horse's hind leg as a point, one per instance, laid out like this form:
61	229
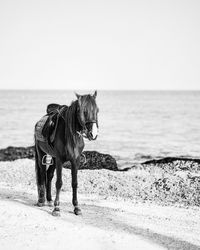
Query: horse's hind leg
50	174
40	176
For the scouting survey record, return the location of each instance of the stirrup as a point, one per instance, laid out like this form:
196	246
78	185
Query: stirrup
47	160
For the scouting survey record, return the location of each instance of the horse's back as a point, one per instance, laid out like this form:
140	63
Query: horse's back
47	127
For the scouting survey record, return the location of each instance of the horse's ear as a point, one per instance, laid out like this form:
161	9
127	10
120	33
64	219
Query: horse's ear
77	95
78	98
95	94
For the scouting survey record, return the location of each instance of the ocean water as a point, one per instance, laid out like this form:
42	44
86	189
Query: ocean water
133	125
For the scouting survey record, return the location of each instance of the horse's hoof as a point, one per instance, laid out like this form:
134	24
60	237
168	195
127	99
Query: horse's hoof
77	211
56	212
40	204
50	203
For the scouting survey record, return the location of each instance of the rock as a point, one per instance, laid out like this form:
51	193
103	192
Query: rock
89	160
96	160
13	153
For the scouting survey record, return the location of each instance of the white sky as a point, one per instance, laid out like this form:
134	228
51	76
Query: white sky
101	44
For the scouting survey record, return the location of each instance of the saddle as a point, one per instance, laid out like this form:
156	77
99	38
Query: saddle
50	122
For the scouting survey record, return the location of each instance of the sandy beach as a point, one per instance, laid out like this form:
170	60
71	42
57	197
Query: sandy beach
111	89
111	218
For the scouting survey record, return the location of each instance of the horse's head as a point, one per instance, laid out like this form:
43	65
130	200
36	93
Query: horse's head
88	115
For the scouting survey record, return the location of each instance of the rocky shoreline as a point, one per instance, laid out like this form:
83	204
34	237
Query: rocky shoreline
96	160
89	160
164	181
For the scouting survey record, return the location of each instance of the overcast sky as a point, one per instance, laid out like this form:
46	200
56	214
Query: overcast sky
101	44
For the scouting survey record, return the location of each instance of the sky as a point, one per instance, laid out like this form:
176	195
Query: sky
118	44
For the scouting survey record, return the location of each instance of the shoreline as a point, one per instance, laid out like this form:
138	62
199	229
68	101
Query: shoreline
12	153
176	183
166	181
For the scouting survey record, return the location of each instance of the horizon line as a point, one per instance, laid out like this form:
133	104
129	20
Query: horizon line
38	89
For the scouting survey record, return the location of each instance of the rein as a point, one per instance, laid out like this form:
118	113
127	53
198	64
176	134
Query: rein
84	129
60	113
62	110
82	132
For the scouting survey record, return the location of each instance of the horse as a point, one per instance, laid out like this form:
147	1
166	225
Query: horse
75	122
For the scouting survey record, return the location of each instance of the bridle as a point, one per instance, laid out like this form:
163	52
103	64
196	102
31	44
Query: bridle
84	129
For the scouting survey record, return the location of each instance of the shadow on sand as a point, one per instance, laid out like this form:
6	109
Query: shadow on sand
101	217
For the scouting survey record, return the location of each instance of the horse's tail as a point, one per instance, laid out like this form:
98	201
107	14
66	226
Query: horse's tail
36	160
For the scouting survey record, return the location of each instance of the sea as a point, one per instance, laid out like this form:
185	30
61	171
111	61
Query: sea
134	126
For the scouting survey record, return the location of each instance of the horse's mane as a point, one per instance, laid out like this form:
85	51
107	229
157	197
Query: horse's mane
72	124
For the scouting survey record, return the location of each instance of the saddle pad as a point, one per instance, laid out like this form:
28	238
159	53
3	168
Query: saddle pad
39	127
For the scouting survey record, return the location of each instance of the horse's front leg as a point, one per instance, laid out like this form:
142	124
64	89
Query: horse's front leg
50	174
56	211
74	170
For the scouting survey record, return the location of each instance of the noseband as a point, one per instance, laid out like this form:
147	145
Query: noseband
83	131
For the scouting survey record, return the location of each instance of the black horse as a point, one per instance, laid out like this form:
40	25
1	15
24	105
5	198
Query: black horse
75	122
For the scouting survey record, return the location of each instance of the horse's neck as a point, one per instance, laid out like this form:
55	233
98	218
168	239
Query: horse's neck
71	118
71	125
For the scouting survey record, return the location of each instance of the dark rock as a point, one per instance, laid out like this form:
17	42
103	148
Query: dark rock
96	160
171	159
13	153
89	160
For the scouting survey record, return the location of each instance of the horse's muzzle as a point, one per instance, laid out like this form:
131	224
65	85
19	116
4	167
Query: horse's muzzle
90	136
92	133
